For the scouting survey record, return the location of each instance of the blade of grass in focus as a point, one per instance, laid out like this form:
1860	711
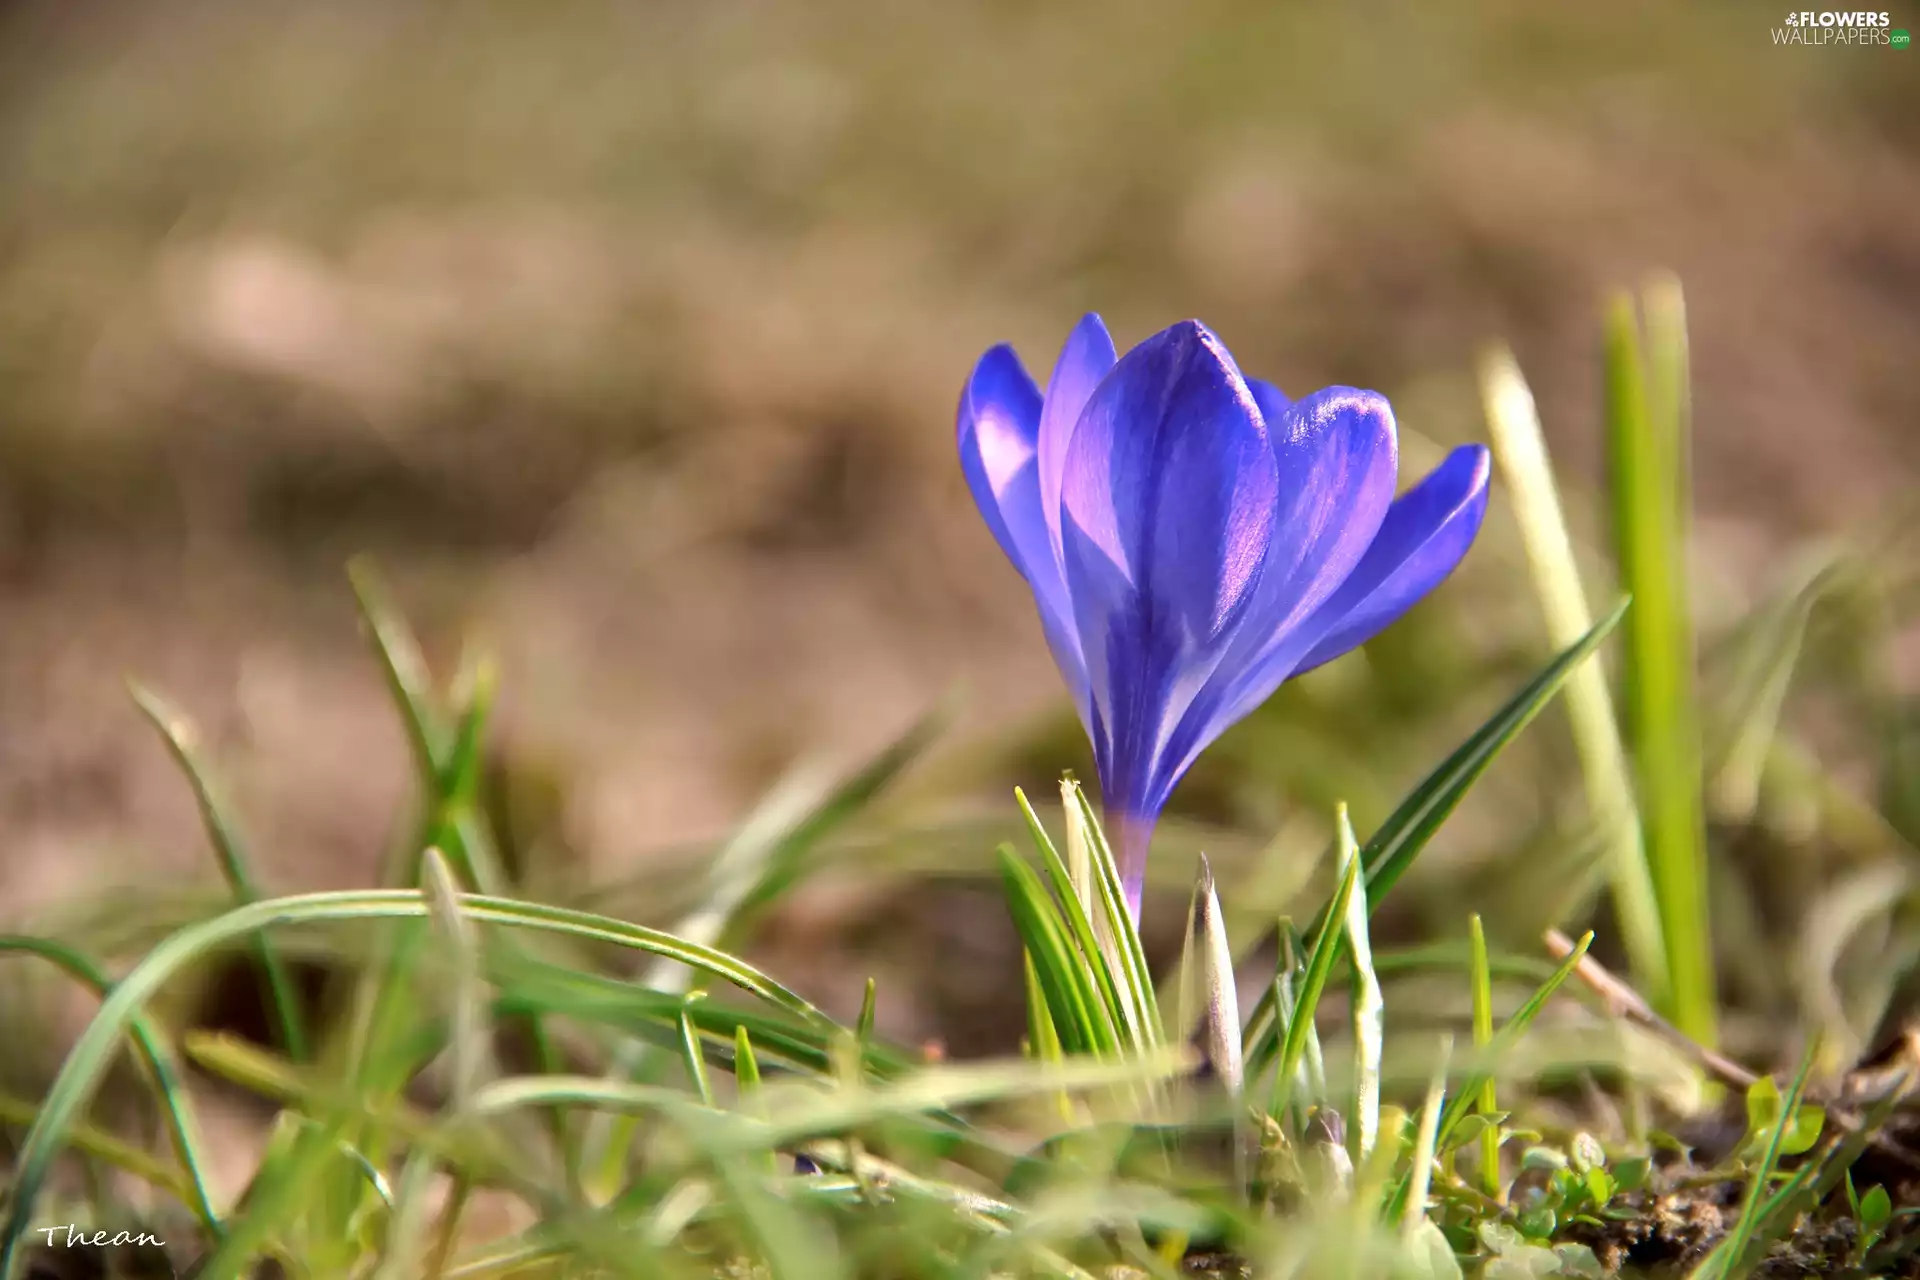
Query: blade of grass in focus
1521	452
1646	421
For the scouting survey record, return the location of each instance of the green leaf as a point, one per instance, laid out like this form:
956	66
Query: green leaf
1876	1208
1647	427
1632	1174
1763	1117
1539	1223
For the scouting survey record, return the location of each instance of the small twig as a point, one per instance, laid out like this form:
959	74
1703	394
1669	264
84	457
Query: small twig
1623	1002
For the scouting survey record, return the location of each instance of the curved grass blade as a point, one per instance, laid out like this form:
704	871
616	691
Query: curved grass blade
404	667
158	1059
228	846
655	1015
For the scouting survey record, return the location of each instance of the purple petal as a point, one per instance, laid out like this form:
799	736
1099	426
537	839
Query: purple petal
1272	400
1086	359
999	417
999	420
1338	454
1425	535
1169	503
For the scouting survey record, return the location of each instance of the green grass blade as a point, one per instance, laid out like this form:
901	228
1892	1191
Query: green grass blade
788	861
1730	1253
1043	1040
526	985
1369	1013
156	1056
471	1038
1521	451
1326	947
1482	979
1406	832
224	834
694	1058
1118	1010
102	1146
1425	1143
1647	437
1069	988
1131	956
746	1064
404	667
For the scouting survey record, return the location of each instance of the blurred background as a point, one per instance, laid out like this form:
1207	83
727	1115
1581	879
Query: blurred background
626	338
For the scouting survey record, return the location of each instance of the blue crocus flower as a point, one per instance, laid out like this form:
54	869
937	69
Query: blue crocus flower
1193	538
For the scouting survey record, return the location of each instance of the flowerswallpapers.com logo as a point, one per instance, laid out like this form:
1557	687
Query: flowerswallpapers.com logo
1828	27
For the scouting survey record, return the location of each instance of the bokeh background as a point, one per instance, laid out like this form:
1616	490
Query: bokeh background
625	337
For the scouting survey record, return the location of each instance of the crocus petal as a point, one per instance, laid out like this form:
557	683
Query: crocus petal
1337	454
1272	400
999	421
1087	358
1425	535
1169	503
